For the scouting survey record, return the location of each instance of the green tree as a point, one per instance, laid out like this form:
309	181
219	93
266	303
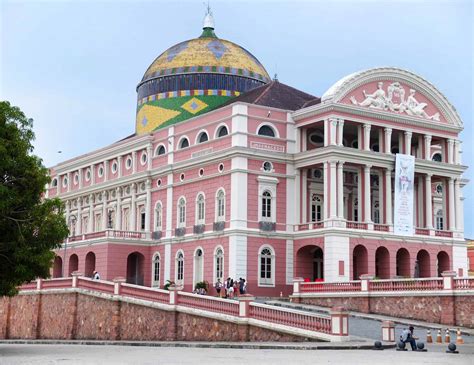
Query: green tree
30	226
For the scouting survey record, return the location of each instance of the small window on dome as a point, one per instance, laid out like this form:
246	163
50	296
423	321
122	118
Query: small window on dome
160	150
267	131
203	137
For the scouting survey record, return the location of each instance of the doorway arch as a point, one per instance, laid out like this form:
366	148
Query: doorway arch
73	263
443	262
360	263
422	266
310	263
382	263
57	267
403	263
90	264
135	268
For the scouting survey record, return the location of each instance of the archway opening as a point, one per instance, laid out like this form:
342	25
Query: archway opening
443	262
90	264
310	263
73	263
422	266
135	268
360	264
382	263
57	267
403	263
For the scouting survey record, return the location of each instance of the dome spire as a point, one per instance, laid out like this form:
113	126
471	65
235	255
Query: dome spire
208	24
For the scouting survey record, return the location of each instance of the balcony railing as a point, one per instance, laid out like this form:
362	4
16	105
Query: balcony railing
356	225
134	235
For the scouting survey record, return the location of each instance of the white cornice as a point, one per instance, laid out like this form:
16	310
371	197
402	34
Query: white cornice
405	120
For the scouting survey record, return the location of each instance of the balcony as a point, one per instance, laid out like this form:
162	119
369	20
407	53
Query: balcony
128	235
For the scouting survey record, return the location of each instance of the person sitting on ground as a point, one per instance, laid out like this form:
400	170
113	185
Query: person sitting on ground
407	336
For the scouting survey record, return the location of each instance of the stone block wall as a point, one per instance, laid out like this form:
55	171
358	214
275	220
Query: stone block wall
76	315
452	310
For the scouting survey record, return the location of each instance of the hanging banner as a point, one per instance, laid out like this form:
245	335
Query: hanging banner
404	192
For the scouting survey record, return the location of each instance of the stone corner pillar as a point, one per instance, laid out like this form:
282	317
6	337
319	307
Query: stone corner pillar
339	321
244	304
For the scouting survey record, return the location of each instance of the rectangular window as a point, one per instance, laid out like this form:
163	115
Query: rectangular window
158	219
142	220
156	276
180	270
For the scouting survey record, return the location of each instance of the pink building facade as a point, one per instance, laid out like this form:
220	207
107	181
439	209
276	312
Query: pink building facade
271	185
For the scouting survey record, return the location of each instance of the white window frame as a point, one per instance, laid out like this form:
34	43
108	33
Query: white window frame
215	271
129	163
143	158
65	181
194	265
220	218
156	259
275	130
158	223
179	222
76	178
114	167
219	127
270	282
439	220
267	183
181	140
317	201
158	148
198	136
179	282
201	220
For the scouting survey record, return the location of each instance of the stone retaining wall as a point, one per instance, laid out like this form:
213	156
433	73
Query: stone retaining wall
452	310
75	315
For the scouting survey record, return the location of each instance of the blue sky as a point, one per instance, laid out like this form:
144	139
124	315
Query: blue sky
73	66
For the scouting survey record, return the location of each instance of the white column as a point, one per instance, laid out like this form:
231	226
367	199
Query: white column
408	135
452	212
419	150
360	145
388	140
149	153
450	151
304	139
104	211
388	196
456	152
428	203
359	194
169	206
91	214
427	147
80	173
367	128
239	187
333	190
171	139
119	162
340	126
327	133
325	189
148	204
459	206
340	189
106	168
304	195
118	214
79	216
367	200
381	199
68	182
68	214
133	208
332	131
134	161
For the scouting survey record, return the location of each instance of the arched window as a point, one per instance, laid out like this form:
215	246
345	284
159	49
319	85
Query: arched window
200	211
198	266
111	219
203	137
266	130
182	213
266	205
222	131
316	208
179	267
219	264
184	143
439	220
220	206
376	212
355	215
156	270
158	217
266	267
437	157
161	150
142	218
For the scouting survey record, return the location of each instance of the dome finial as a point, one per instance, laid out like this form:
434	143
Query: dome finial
208	24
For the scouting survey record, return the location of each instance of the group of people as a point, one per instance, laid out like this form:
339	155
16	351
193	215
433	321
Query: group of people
230	288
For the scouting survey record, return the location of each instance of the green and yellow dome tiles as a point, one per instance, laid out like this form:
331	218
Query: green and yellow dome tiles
195	77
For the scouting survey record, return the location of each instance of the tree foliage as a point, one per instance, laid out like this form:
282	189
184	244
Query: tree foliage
30	226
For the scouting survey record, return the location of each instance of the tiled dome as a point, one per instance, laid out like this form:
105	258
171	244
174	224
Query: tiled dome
194	77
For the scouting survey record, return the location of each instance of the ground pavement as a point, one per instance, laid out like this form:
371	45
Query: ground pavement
14	354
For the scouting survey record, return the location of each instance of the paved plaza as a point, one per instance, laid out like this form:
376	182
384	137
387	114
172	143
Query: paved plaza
13	354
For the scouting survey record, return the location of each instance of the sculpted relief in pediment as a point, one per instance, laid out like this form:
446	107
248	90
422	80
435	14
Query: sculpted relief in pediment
394	97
